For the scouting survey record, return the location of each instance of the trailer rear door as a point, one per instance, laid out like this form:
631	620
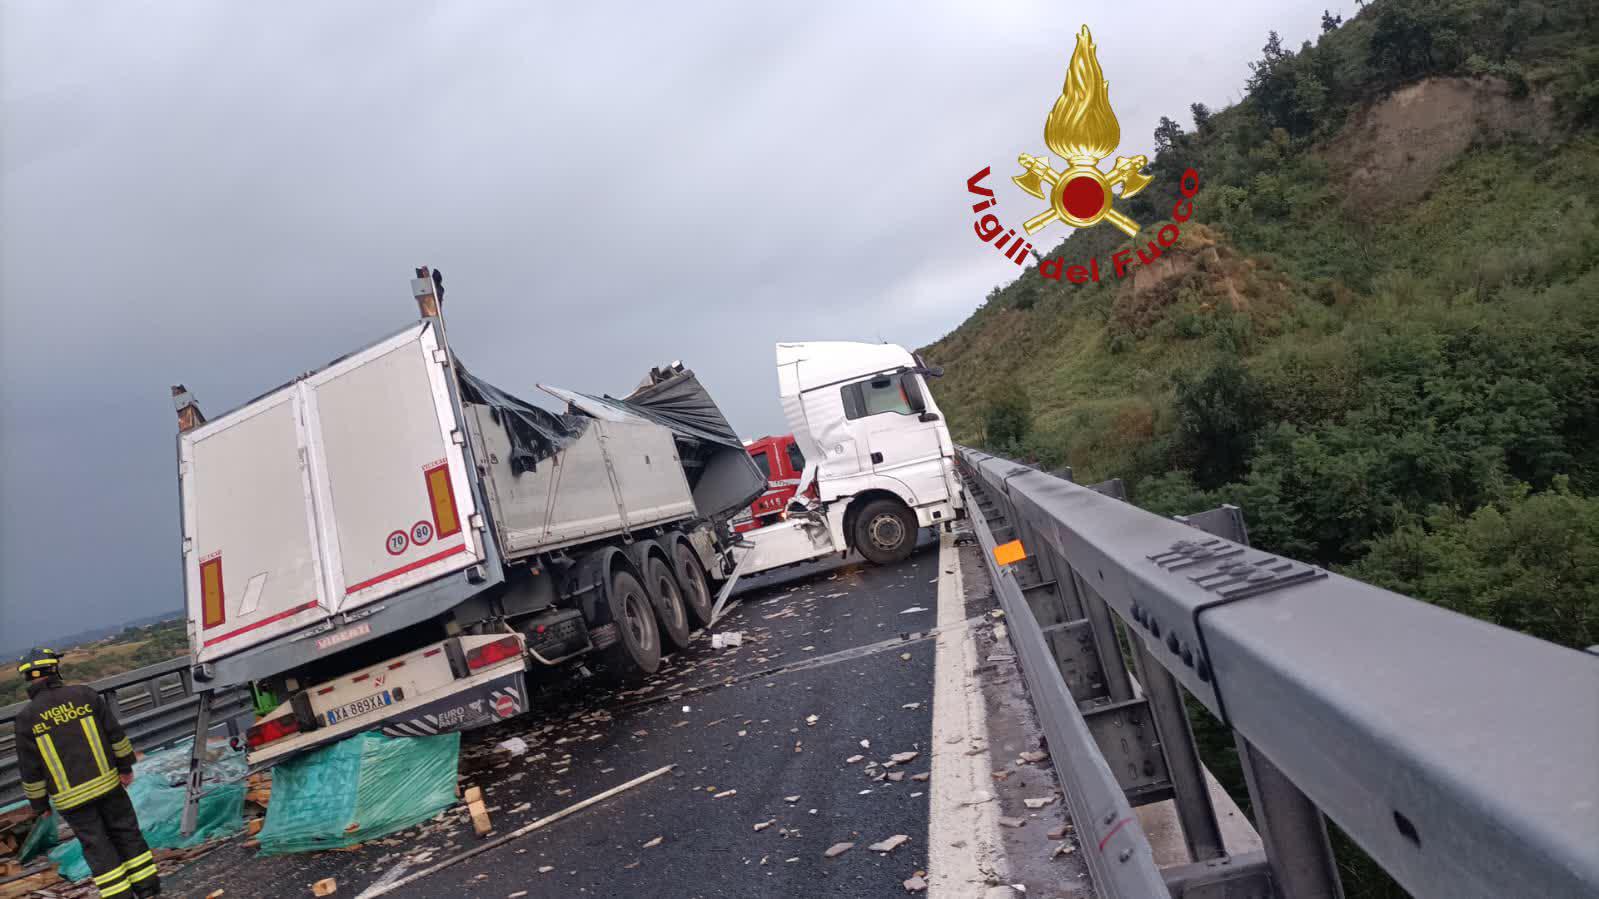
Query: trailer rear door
395	504
250	549
336	491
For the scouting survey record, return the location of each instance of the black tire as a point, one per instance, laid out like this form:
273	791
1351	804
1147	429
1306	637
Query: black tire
668	599
885	531
637	650
697	595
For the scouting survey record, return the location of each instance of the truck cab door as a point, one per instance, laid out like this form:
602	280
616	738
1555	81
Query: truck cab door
819	416
901	430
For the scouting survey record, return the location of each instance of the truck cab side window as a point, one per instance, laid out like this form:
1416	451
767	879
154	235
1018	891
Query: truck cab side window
884	393
763	463
796	459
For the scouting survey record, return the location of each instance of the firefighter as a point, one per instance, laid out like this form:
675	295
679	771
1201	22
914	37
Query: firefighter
71	751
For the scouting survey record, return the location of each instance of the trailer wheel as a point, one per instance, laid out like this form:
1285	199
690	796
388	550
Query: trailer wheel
668	601
696	592
637	651
885	531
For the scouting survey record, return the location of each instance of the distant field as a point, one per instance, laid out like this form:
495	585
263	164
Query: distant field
133	648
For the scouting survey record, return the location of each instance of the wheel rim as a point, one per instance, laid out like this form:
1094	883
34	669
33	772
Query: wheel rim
636	610
693	583
674	603
886	531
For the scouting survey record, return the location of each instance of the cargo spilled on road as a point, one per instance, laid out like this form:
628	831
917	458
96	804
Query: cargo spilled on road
817	730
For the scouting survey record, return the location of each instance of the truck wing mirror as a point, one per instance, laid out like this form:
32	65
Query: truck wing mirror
912	391
927	416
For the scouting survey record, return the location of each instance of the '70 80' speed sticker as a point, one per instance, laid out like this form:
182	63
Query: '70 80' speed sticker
397	543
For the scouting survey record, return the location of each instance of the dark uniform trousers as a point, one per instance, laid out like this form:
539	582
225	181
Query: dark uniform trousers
109	831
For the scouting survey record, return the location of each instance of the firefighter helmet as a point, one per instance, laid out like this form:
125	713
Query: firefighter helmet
39	663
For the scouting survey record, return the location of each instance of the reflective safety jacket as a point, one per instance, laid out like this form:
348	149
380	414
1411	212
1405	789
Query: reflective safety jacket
70	747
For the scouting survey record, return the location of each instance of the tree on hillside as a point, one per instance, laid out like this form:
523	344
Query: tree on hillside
1272	55
1218	417
1201	114
1167	134
1008	419
1529	562
1330	22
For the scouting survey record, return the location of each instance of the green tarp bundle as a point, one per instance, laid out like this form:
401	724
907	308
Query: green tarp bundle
362	788
157	792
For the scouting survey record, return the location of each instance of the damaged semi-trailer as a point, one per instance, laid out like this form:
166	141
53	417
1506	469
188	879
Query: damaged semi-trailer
391	543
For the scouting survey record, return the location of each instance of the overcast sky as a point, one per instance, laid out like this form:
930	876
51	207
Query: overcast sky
227	194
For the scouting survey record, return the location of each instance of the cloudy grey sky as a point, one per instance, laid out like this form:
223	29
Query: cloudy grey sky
227	194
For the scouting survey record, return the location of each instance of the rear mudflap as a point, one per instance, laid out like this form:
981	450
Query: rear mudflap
487	703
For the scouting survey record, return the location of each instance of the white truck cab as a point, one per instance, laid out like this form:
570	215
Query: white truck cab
876	447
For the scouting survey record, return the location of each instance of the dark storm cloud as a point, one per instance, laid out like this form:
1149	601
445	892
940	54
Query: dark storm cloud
227	194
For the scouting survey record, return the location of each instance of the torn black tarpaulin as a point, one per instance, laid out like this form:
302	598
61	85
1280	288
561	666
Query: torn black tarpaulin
676	397
535	433
723	477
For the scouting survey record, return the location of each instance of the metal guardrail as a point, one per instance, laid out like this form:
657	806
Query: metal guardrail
1459	755
156	704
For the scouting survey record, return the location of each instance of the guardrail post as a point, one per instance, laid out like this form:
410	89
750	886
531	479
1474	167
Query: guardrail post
1291	827
1197	813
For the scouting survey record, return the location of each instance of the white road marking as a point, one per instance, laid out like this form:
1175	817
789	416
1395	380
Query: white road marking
963	842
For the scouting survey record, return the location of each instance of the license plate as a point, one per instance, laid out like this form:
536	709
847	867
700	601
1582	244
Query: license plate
360	707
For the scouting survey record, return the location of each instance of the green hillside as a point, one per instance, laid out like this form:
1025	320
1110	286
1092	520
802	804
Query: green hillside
1379	333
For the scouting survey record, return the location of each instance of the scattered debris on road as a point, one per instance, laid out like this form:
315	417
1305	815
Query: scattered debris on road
916	884
838	849
651	844
890	844
728	640
327	886
1039	802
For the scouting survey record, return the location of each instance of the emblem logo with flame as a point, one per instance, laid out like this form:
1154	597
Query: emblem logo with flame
1082	130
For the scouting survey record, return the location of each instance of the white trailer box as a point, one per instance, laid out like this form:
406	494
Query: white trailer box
334	492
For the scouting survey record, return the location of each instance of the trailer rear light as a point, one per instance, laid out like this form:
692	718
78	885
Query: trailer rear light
271	731
490	653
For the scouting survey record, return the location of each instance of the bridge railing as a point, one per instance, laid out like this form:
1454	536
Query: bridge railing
156	704
1462	757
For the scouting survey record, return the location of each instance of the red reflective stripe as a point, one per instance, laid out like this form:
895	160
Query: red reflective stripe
262	623
396	664
428	560
360	677
324	691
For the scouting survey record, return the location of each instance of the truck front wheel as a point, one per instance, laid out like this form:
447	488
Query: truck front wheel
637	651
885	531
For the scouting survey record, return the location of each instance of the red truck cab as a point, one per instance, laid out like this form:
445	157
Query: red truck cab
780	460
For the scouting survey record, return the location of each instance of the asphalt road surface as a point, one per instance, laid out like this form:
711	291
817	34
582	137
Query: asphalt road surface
844	642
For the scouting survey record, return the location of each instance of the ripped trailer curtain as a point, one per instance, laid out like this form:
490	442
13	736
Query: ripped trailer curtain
535	434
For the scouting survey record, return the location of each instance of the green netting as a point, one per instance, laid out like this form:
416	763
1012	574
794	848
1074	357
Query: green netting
39	839
362	788
157	792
